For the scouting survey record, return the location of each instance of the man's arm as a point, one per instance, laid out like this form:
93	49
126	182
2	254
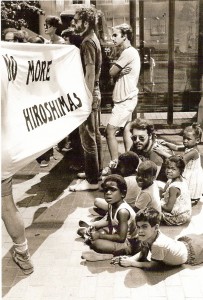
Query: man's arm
90	76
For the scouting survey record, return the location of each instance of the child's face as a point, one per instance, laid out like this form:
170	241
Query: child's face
145	231
189	139
144	180
172	171
112	194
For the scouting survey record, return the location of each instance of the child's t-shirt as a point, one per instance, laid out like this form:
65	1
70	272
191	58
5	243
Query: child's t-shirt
132	189
171	252
149	197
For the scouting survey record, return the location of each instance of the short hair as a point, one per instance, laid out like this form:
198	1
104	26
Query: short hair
178	160
195	127
125	29
148	214
36	39
121	183
87	14
53	21
143	124
67	32
149	167
131	161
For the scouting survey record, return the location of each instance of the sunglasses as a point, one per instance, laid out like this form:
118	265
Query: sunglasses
140	137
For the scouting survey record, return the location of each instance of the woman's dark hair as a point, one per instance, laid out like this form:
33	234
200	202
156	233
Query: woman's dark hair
121	183
143	124
178	160
148	214
125	29
53	21
195	127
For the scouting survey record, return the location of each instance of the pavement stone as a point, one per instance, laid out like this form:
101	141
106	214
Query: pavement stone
51	214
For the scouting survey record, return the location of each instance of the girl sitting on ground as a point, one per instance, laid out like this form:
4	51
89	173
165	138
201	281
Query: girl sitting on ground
176	203
193	170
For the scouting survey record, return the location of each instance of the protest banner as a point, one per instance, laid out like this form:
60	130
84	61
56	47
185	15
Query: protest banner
44	98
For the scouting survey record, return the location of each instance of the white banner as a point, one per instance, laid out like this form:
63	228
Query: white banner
44	98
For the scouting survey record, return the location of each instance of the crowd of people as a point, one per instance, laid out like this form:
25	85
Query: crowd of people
143	187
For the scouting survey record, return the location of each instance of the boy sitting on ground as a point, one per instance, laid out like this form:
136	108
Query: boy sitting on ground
164	250
149	194
111	235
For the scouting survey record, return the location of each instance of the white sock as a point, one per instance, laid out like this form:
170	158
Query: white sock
20	248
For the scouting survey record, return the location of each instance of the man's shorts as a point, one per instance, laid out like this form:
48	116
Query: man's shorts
6	187
122	112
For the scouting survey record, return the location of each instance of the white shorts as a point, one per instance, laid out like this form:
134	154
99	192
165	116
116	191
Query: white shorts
122	112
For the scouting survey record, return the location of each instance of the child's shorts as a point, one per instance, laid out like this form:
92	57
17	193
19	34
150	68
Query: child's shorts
122	112
6	187
194	244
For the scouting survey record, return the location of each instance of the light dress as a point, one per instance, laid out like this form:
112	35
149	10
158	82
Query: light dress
181	212
193	173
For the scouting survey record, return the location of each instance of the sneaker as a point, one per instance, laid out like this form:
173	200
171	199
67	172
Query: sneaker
83	224
94	256
82	232
23	261
44	163
82	175
67	148
84	185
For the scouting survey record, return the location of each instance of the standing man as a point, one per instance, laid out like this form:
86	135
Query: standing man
85	19
51	27
126	72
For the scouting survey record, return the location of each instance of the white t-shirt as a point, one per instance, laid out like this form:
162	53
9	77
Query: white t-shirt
171	252
126	86
149	197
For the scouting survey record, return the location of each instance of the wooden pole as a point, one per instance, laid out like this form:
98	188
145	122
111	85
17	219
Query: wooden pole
171	30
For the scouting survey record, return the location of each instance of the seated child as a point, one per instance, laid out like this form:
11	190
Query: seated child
193	170
111	235
126	167
164	250
176	203
149	194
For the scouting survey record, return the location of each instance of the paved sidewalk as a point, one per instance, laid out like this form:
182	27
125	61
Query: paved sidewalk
51	214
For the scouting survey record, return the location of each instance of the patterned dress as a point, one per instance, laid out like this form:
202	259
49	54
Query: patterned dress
193	173
181	212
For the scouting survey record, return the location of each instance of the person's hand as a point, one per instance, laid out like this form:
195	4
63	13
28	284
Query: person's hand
125	261
115	260
125	71
159	149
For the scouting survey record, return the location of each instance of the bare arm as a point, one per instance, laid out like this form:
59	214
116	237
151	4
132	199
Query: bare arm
193	154
173	194
121	234
90	76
